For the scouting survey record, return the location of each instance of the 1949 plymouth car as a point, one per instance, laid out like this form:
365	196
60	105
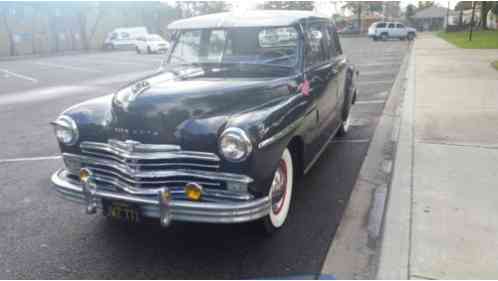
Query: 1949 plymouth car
242	105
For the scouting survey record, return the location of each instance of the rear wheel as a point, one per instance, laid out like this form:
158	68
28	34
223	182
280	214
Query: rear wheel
383	37
149	51
375	38
280	194
138	50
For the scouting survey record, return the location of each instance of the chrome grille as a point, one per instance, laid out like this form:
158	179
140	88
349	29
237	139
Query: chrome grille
143	169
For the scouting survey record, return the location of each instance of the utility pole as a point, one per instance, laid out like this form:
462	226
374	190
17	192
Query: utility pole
472	19
359	16
448	16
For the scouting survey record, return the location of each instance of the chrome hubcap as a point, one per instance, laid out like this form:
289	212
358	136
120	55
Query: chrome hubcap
279	188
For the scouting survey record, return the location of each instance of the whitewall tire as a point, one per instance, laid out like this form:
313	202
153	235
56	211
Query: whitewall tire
280	193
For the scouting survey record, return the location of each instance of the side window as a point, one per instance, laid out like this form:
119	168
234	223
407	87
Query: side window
381	25
399	25
315	49
335	43
188	47
391	25
217	40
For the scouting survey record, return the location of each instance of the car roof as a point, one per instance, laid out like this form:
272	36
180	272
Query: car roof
256	18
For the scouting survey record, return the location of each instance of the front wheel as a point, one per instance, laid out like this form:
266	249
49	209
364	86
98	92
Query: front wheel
138	50
280	194
410	36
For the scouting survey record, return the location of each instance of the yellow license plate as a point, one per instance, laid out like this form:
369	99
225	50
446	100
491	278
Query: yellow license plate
122	211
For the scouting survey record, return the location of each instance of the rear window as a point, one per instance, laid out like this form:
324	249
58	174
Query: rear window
381	25
278	37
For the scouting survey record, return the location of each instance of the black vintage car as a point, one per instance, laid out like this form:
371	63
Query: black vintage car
242	105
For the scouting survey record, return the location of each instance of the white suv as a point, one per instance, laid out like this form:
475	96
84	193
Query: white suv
151	43
385	30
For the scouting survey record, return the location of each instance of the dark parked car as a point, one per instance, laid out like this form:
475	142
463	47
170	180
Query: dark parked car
242	106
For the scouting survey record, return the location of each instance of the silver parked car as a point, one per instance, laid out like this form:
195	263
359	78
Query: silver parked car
386	30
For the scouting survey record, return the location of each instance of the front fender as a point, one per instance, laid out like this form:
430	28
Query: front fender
91	118
271	129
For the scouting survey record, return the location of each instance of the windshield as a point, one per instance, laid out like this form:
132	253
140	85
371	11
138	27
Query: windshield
275	46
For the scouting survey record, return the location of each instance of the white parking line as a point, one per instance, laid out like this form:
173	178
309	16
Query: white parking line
7	72
351	141
375	82
366	73
63	66
109	61
370	101
13	160
376	64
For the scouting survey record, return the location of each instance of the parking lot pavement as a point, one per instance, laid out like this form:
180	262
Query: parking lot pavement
42	236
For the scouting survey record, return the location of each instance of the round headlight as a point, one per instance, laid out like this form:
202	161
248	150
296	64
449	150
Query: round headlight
234	145
66	130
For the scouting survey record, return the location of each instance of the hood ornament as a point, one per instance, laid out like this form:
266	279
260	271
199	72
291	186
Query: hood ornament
128	145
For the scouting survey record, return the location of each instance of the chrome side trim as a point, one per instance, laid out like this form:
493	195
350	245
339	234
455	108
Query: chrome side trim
230	212
317	156
280	134
163	173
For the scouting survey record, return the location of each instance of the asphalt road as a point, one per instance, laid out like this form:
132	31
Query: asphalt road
45	237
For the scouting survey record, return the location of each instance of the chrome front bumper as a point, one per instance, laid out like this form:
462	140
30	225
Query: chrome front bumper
161	206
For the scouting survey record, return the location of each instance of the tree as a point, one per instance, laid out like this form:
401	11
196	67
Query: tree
425	4
486	6
410	12
198	8
5	9
88	32
289	5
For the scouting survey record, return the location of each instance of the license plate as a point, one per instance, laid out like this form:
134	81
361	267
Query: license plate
122	211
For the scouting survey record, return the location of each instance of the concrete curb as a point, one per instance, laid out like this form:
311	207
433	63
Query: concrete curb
394	260
354	251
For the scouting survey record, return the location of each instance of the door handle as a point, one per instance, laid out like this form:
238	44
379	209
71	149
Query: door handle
333	72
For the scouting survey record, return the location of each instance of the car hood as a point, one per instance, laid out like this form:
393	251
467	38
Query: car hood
186	103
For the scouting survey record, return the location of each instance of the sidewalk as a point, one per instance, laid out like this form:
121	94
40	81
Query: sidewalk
442	214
